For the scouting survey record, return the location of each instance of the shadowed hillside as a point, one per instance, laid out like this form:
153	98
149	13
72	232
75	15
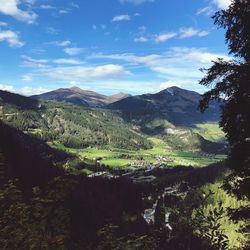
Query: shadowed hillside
22	102
176	105
28	158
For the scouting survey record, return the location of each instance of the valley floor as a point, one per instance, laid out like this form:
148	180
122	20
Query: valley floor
160	156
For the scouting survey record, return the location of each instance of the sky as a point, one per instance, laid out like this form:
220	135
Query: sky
108	46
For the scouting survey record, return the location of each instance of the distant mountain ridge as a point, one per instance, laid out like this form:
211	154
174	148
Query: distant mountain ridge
79	96
176	105
127	124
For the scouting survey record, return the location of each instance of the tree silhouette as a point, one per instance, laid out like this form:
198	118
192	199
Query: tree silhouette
230	82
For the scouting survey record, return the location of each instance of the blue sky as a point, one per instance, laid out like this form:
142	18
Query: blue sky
108	46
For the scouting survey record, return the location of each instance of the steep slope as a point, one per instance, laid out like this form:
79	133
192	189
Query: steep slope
176	105
117	97
172	115
71	125
28	159
3	169
79	96
22	102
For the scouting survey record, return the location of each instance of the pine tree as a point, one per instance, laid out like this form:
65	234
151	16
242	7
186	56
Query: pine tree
230	82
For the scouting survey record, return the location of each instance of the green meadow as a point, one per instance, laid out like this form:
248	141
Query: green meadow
160	154
210	131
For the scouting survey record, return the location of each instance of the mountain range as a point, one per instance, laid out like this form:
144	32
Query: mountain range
120	121
79	96
176	105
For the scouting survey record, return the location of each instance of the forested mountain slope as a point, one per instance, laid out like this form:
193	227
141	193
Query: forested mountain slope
172	115
177	106
72	125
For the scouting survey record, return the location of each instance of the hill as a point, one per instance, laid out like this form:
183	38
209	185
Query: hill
29	159
70	124
177	106
22	102
172	115
79	96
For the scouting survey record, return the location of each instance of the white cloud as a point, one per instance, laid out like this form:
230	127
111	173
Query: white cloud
213	5
64	11
10	7
60	43
168	84
30	59
184	63
131	58
74	83
3	24
11	37
90	73
28	91
29	2
7	87
199	55
46	7
222	4
164	37
127	86
190	32
121	18
27	78
208	11
74	5
141	39
34	63
136	1
72	61
44	63
179	65
74	51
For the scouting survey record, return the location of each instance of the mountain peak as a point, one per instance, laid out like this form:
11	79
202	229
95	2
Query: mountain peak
80	96
174	90
177	105
75	88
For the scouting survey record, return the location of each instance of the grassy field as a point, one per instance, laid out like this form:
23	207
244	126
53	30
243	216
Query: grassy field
95	153
116	163
86	171
210	131
121	158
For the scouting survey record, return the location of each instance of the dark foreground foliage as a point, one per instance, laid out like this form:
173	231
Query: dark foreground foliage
50	209
231	80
